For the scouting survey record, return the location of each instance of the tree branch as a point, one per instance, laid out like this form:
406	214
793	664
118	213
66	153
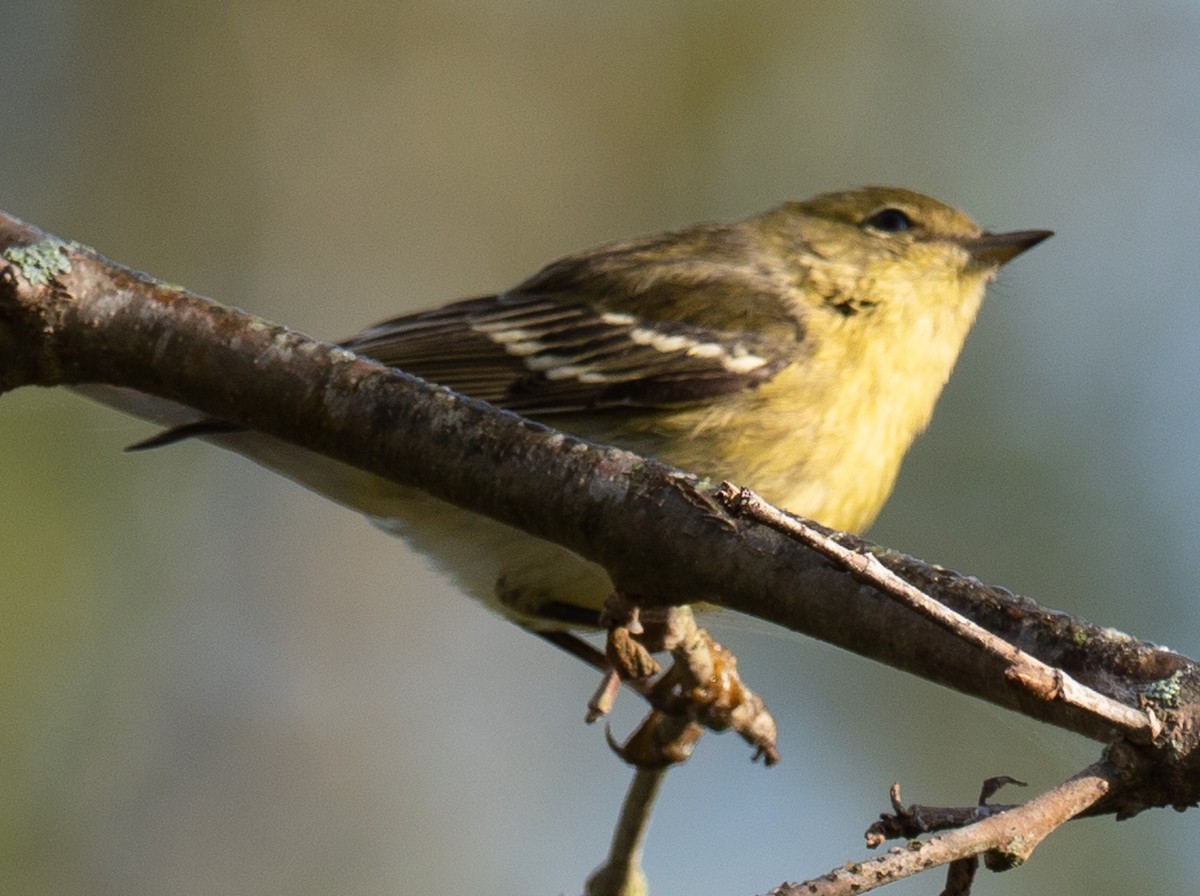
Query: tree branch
69	316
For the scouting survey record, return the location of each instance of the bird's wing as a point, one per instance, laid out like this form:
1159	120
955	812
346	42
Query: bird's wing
538	354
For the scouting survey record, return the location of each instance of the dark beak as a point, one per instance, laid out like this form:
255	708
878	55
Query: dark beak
994	249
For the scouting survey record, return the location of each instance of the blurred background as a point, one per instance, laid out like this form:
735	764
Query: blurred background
214	682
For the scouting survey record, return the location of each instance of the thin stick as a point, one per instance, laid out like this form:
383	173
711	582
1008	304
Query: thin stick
621	874
1007	839
1041	679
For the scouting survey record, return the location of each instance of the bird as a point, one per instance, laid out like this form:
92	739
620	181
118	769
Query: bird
799	351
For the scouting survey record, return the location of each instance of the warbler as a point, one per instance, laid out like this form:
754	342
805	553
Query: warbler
798	352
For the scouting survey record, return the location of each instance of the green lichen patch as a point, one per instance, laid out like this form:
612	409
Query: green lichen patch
40	262
1166	692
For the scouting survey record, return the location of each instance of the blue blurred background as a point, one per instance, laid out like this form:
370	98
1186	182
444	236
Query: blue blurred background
214	682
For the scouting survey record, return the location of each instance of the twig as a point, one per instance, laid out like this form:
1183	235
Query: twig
1005	840
621	874
912	821
1027	671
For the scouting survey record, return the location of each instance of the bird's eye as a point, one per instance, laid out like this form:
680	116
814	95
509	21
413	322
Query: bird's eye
889	220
